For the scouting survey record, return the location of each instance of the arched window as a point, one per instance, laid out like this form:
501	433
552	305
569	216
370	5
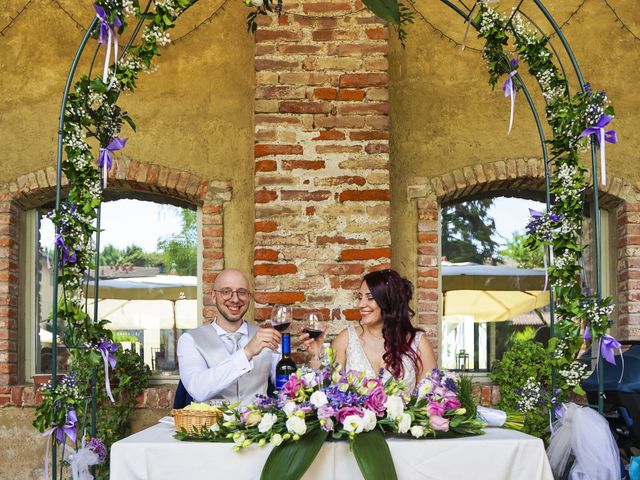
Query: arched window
147	281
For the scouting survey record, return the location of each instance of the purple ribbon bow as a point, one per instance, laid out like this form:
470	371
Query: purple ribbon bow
107	34
68	429
105	160
602	137
107	350
68	256
608	346
510	91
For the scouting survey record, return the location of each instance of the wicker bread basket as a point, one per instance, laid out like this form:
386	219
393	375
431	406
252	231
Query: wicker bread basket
194	419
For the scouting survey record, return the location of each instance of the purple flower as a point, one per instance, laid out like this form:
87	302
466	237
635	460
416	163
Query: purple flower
325	411
375	400
436	408
96	445
344	412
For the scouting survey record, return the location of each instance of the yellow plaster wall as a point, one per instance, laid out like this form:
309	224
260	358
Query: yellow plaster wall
195	113
444	115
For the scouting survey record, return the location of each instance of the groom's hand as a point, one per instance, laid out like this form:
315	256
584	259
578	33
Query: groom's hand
265	338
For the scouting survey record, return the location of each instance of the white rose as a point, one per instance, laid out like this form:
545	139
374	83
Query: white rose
318	399
417	431
394	406
276	439
353	423
404	423
289	408
369	420
215	427
239	440
296	425
267	422
309	379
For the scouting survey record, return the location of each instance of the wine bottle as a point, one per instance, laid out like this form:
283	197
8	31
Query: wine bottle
286	366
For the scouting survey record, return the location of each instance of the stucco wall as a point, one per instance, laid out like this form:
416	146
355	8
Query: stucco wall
444	115
195	113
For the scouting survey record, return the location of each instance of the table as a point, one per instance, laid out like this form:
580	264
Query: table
500	454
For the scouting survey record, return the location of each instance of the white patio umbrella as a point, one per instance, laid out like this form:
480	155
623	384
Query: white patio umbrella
163	302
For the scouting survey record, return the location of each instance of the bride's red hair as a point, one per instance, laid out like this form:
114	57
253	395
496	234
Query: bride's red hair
393	295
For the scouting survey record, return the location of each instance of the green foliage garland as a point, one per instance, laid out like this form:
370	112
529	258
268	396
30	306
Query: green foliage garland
561	228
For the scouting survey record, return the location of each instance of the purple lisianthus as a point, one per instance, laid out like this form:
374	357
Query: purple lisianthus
327	426
325	411
96	445
452	403
344	412
375	401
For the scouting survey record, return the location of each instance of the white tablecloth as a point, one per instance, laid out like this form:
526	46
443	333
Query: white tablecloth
153	454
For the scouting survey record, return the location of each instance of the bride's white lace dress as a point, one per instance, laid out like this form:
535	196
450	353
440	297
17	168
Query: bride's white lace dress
357	360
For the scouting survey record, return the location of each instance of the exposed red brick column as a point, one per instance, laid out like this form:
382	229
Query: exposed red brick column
9	261
628	268
321	132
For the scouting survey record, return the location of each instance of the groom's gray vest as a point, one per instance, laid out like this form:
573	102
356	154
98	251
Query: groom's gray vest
214	351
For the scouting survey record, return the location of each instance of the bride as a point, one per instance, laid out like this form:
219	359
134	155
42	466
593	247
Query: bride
385	341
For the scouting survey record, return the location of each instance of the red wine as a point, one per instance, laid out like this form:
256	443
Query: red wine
286	366
281	327
312	332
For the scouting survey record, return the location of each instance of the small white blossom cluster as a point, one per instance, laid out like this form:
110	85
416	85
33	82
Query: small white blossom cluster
520	26
574	373
75	137
76	111
153	33
169	5
561	347
94	187
530	396
545	79
593	113
82	161
597	314
568	257
95	100
132	62
570	228
488	20
129	8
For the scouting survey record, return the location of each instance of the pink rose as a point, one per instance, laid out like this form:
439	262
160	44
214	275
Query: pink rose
436	408
376	400
344	412
292	386
452	404
438	423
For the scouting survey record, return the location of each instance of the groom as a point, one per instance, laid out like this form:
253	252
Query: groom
228	359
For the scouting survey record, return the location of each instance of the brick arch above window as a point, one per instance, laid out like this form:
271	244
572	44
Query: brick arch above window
523	174
128	178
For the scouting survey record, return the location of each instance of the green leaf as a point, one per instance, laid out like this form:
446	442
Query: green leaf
97	85
373	456
290	460
130	121
385	9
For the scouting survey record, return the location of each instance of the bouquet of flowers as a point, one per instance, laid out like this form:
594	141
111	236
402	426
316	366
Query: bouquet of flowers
313	405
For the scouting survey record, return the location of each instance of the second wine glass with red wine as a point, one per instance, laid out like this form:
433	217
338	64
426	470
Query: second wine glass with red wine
313	324
281	317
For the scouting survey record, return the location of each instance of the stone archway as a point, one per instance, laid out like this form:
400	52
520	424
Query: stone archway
428	193
129	177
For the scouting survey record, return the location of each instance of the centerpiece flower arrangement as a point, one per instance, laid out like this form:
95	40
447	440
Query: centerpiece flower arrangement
334	403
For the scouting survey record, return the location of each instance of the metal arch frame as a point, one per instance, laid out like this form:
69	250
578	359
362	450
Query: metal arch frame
466	16
596	215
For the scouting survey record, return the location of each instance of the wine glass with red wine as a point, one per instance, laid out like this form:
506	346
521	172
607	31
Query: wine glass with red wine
281	317
312	324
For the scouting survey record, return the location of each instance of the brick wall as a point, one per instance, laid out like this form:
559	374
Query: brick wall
321	156
523	174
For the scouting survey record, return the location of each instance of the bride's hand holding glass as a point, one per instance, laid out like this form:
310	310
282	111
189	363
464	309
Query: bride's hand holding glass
313	332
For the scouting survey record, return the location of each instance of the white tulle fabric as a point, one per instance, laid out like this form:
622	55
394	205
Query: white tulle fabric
80	462
357	360
583	433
